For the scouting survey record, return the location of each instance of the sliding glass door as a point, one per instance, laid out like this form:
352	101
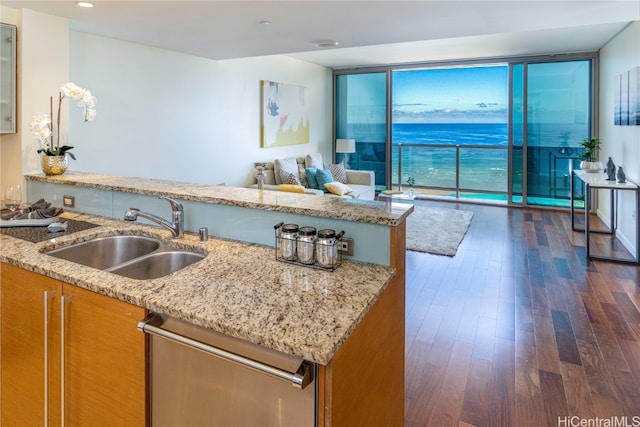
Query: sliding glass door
507	132
361	114
558	100
450	130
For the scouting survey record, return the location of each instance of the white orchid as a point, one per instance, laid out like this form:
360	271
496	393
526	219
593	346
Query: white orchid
42	127
89	114
41	130
72	90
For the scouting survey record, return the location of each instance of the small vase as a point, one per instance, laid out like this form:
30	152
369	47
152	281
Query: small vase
591	166
411	193
54	165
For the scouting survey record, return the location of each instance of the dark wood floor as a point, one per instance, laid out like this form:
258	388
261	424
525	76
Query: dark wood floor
518	329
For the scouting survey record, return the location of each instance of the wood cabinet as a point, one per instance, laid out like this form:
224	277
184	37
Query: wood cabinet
69	354
364	382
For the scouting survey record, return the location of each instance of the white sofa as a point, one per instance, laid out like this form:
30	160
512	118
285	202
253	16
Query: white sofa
360	183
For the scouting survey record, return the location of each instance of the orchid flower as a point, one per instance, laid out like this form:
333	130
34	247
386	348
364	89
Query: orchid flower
42	126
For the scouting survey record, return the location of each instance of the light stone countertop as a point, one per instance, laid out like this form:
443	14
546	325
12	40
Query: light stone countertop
239	288
372	212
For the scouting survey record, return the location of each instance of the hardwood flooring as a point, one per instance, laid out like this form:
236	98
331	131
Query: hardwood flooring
518	329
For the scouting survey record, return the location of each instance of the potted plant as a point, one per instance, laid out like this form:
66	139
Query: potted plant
411	181
47	131
589	156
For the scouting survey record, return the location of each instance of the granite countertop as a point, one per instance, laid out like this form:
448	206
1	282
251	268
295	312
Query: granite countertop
373	212
238	289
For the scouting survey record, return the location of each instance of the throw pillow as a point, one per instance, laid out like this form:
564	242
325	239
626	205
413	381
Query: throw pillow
338	172
288	178
269	174
302	173
288	165
338	188
313	161
291	188
311	178
323	176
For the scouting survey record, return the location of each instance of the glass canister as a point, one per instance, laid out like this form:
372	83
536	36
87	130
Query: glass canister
288	237
326	249
306	243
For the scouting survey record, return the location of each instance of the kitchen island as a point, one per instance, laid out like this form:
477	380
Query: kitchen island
350	321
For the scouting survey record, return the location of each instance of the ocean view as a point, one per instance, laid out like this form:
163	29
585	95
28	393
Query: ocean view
451	133
482	168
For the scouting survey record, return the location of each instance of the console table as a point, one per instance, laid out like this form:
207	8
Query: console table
396	195
598	181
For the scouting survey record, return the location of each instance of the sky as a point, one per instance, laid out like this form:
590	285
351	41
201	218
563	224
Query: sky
451	95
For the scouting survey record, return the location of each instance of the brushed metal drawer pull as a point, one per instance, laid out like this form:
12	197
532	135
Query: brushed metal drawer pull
299	379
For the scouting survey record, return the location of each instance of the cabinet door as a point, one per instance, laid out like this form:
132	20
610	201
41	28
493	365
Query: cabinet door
105	369
30	347
7	78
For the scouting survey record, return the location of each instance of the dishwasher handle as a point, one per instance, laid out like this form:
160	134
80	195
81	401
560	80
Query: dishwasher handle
299	379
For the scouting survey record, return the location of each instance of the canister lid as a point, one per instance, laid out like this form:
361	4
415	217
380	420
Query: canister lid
307	231
327	233
290	228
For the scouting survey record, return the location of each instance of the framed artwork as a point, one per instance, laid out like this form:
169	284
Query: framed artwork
284	118
627	98
634	96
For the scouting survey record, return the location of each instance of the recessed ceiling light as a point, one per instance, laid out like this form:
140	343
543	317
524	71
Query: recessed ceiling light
325	43
84	4
265	22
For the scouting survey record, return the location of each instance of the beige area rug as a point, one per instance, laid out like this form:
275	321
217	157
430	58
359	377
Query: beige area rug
437	231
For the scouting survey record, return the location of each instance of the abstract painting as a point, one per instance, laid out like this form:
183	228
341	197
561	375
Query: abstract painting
284	115
627	98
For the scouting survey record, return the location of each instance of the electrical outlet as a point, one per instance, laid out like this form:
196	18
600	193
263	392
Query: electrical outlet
69	201
345	246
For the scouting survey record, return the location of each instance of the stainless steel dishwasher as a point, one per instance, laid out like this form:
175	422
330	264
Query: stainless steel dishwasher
203	378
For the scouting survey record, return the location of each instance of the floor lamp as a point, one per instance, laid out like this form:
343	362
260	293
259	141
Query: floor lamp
345	146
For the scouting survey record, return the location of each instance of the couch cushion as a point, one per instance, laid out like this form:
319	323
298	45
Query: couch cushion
323	176
288	165
338	172
362	192
313	161
302	173
311	178
338	188
291	188
288	178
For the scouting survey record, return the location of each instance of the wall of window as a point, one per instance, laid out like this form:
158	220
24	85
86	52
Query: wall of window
507	130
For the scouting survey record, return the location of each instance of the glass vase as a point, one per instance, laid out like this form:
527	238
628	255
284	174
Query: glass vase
54	165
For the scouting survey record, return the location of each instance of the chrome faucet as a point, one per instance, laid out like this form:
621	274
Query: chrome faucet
177	217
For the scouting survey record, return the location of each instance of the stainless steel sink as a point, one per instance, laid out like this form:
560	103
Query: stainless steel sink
105	252
157	264
136	257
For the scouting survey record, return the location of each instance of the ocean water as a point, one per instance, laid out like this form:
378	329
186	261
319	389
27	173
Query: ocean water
451	133
481	169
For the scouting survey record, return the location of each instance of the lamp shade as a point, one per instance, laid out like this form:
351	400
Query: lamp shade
345	145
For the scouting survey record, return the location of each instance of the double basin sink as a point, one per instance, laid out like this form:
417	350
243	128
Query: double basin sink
133	256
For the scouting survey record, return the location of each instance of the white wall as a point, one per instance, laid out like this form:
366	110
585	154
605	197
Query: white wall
43	63
621	143
168	115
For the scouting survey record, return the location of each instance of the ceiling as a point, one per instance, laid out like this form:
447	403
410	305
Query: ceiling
368	32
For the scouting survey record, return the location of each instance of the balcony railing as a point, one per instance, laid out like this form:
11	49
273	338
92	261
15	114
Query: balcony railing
453	170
